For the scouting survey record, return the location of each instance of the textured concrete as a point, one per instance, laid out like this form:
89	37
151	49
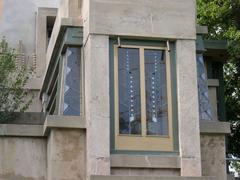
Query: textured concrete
66	155
213	156
148	18
22	158
21	130
202	29
144	172
149	178
67	122
41	38
189	134
70	8
97	105
145	161
212	93
214	127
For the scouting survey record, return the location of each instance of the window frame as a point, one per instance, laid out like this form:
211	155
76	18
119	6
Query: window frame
140	142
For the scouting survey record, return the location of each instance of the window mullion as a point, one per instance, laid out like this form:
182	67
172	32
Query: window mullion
143	93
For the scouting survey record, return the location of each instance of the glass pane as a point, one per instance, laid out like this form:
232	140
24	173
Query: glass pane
129	91
156	92
205	111
71	104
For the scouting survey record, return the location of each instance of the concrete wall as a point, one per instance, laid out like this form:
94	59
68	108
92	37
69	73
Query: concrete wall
23	158
144	172
213	156
148	18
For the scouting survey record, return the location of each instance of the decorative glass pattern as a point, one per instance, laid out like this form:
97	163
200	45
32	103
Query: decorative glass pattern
205	111
71	104
156	92
129	91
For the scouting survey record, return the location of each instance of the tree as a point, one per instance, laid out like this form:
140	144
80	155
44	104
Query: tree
13	77
223	20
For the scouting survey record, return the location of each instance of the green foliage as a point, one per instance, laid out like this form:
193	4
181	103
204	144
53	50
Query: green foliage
13	97
223	20
236	165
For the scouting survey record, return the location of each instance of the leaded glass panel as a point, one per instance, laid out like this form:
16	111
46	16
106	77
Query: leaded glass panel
156	92
129	91
205	111
71	104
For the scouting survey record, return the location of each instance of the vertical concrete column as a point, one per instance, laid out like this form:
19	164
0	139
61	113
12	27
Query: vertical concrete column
96	60
66	154
189	133
70	8
213	153
41	43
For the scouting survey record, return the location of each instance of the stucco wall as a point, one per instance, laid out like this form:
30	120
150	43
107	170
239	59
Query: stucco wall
23	158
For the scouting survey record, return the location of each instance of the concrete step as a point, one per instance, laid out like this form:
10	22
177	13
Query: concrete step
150	178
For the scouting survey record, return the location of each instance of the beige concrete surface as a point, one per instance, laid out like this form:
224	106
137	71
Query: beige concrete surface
21	130
148	18
213	82
202	29
66	154
66	122
144	161
41	39
213	156
70	8
23	158
214	127
149	178
144	172
97	104
188	115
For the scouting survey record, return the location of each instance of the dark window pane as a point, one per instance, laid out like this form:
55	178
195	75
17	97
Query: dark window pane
156	92
129	91
72	82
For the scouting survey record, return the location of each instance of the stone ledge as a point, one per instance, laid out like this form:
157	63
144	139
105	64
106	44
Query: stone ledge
213	82
58	121
214	127
145	161
150	178
202	29
21	130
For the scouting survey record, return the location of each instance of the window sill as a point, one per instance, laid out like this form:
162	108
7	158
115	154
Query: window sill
214	127
59	121
144	161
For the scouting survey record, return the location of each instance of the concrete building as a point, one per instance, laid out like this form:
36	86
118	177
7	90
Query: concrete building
126	90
